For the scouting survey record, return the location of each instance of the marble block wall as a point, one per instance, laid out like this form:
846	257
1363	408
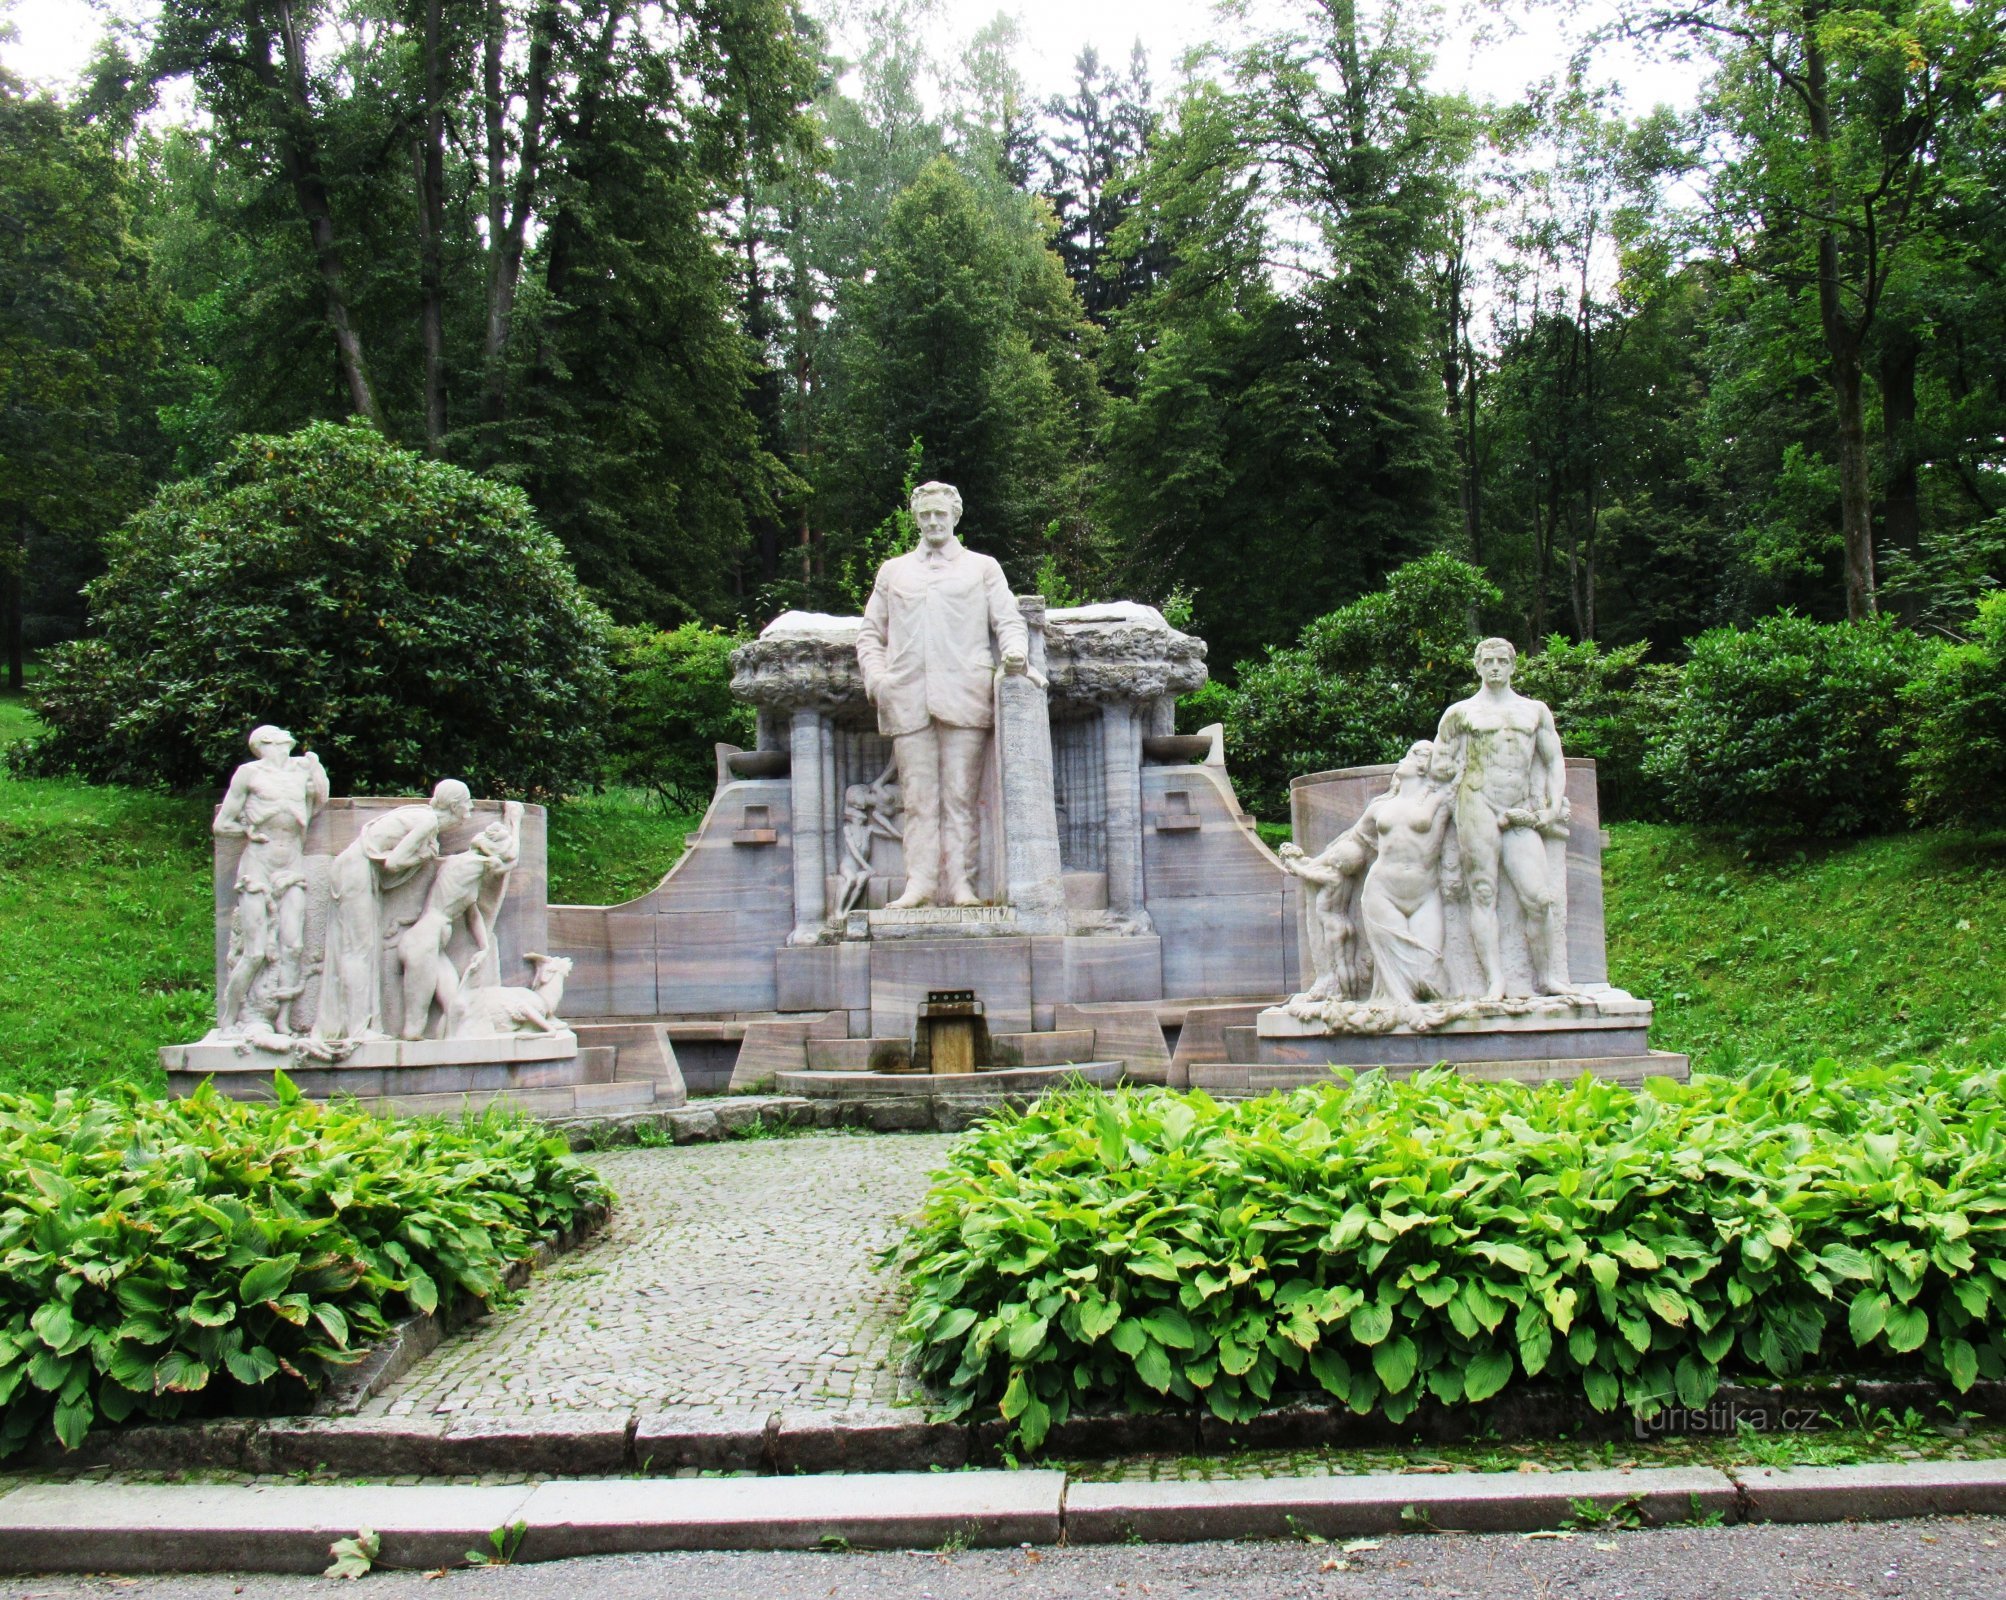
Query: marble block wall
523	925
1219	899
701	942
1323	804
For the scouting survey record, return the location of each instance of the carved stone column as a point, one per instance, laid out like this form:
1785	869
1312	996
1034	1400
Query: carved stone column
1032	875
1121	744
805	738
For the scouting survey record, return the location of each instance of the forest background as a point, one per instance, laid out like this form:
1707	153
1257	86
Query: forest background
1241	335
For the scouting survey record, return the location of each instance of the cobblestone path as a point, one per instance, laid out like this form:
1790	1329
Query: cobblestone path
733	1274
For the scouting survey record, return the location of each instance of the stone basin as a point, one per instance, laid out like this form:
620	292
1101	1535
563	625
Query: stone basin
988	1088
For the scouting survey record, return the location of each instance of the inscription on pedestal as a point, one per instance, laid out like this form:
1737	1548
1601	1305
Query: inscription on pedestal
938	922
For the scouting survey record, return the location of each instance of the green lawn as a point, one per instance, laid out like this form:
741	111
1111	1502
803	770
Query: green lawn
1886	949
105	945
1890	949
605	848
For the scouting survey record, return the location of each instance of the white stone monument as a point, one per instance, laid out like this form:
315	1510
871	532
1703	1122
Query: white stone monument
940	625
1436	923
376	947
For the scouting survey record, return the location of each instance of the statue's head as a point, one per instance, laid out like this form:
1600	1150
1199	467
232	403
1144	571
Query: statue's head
1495	659
269	743
452	798
1441	763
936	507
1415	762
496	841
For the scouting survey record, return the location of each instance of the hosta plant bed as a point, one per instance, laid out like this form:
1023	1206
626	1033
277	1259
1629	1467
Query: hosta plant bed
1404	1249
205	1256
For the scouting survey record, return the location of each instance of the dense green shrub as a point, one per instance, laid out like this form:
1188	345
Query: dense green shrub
406	619
672	702
162	1256
1610	706
1362	683
1791	728
1957	768
1387	1242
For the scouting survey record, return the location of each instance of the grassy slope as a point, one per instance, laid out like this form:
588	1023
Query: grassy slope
1879	950
606	848
105	903
104	927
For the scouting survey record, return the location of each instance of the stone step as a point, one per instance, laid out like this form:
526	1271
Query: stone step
569	1101
1053	1048
1236	1078
859	1055
605	1096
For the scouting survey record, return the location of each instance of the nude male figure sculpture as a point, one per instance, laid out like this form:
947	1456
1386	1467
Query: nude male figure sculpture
941	619
468	887
391	849
269	804
1510	799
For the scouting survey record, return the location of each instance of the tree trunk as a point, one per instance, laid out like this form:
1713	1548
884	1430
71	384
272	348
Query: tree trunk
508	222
1843	338
14	578
299	158
1855	486
1459	390
432	228
564	225
1901	520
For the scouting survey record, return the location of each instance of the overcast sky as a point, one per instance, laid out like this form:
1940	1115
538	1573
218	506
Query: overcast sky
56	37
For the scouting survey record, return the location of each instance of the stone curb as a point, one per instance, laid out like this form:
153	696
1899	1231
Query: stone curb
1874	1492
98	1527
202	1528
409	1341
1388	1502
576	1443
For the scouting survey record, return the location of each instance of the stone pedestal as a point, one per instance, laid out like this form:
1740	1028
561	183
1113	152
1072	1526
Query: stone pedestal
1034	886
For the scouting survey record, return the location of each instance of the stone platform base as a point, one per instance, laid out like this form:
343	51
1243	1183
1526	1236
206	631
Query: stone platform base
1534	1040
547	1075
1230	1079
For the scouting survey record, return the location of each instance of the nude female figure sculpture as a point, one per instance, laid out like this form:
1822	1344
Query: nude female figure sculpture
1379	885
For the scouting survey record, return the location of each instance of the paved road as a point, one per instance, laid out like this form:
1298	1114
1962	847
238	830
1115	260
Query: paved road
1961	1559
734	1274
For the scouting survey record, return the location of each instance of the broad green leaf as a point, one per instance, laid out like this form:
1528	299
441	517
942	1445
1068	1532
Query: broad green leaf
1025	1336
1695	1382
1908	1327
952	1326
1394	1362
54	1325
1960	1360
1486	1372
268	1279
1153	1366
1869	1314
1603	1389
1371	1323
1169	1326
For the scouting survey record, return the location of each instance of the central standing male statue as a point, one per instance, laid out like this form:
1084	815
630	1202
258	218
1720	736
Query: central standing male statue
1511	798
940	619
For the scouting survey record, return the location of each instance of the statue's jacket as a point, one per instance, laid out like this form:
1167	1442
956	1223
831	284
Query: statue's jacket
925	645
